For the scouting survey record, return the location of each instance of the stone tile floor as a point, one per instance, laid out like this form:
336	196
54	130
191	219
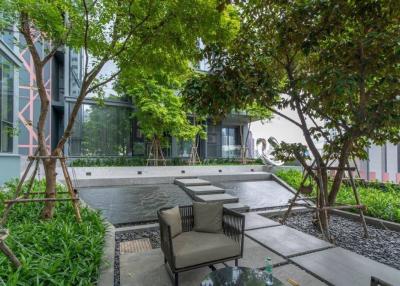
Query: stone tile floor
294	254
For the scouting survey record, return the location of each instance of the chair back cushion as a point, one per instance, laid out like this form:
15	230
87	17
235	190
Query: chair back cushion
173	218
207	217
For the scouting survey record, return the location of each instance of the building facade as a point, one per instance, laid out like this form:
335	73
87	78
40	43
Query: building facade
383	163
100	130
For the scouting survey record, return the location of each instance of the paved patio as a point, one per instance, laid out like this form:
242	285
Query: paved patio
295	255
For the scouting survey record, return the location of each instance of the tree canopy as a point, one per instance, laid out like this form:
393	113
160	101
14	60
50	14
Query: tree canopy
143	35
336	63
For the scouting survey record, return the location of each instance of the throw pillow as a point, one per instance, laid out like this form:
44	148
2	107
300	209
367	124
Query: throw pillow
173	218
207	217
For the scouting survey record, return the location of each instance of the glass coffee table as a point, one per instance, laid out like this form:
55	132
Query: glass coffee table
237	276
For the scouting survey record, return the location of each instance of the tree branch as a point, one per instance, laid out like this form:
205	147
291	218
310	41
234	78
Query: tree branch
284	116
110	78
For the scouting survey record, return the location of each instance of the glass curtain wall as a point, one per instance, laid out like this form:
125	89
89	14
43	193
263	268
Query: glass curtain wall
6	104
102	131
230	142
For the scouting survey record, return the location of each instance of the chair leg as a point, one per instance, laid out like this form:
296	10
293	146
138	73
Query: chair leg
165	260
176	280
236	262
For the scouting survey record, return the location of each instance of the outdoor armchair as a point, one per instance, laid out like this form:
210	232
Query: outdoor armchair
192	249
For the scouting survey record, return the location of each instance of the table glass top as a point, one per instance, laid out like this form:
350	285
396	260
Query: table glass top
237	276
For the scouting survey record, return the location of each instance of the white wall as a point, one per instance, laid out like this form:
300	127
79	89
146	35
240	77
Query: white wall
281	128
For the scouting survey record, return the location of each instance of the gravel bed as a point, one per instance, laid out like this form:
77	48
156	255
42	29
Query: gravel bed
382	245
152	233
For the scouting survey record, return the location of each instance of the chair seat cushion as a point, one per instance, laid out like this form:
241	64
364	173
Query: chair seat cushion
192	248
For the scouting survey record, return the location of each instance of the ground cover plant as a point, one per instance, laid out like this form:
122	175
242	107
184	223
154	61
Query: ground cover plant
52	252
383	203
141	161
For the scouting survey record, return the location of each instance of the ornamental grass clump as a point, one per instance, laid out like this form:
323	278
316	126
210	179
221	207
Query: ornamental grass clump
52	252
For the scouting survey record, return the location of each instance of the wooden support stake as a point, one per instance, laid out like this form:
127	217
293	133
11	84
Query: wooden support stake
40	200
7	251
353	186
32	179
71	191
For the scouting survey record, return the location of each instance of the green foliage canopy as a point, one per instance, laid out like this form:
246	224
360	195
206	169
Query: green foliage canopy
160	112
336	63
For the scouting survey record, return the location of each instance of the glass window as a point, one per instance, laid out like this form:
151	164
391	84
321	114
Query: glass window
230	142
102	131
184	148
6	104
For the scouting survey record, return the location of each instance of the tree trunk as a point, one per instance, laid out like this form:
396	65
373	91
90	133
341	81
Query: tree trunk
337	181
48	164
50	172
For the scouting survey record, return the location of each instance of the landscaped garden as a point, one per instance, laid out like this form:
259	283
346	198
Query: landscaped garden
52	252
381	200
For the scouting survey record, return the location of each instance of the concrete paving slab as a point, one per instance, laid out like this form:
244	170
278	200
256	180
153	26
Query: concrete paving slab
290	271
148	269
223	198
342	267
237	207
144	269
287	241
204	190
191	182
254	255
254	221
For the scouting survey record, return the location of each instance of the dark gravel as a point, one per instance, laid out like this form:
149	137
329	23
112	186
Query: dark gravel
152	233
382	245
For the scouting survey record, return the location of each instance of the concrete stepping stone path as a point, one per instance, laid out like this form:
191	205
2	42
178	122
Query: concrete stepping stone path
254	221
191	182
342	267
223	198
237	207
294	273
287	241
254	255
204	190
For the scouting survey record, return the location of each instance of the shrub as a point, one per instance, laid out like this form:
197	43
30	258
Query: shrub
55	252
141	161
381	202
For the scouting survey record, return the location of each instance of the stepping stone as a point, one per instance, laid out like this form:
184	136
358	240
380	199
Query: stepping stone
254	255
296	274
223	198
238	207
191	182
204	190
342	267
254	220
287	241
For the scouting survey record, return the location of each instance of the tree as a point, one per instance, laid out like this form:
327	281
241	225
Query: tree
336	63
160	114
155	35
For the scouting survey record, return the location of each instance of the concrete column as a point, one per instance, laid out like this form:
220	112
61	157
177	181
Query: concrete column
375	162
391	161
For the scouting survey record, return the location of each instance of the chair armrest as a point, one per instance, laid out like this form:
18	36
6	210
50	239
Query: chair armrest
187	217
166	240
233	226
